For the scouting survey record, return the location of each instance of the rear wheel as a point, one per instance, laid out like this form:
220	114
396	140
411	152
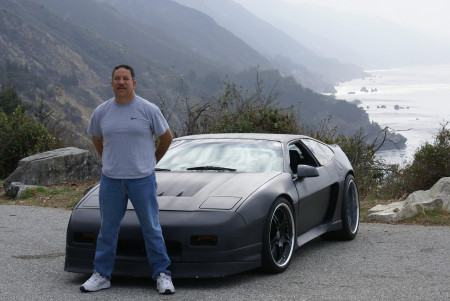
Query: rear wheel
350	212
278	237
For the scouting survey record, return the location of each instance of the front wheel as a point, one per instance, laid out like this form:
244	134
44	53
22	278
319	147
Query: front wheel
278	237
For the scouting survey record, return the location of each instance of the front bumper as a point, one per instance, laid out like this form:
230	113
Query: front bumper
236	249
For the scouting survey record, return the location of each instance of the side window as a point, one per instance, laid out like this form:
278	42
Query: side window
298	154
295	157
321	151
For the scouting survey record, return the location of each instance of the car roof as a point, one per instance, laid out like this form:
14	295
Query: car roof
284	138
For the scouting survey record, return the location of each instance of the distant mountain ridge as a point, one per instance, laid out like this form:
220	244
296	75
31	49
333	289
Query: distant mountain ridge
145	39
198	32
189	41
368	42
286	53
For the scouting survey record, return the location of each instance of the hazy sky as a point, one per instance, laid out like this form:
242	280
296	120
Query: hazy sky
429	15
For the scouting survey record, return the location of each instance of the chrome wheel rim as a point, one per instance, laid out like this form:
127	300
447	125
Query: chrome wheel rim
352	207
282	235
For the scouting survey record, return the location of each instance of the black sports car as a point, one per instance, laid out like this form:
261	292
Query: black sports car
231	203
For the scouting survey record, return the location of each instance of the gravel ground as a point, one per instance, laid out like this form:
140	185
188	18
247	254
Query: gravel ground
384	262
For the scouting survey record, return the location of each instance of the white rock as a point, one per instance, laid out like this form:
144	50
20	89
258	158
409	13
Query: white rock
437	197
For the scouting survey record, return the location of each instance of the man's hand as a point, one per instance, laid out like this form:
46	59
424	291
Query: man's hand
164	143
98	143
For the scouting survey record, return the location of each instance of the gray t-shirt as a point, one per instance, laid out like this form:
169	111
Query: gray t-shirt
127	131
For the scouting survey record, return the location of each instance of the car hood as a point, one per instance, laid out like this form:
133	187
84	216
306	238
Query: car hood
190	191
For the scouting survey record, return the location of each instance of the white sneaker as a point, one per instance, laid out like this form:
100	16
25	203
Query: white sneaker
164	284
95	283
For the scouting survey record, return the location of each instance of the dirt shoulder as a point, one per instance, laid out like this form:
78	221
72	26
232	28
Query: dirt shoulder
62	195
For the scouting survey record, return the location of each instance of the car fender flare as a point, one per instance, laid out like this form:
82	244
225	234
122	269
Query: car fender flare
258	204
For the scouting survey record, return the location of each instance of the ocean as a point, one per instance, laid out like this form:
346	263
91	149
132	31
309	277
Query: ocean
412	101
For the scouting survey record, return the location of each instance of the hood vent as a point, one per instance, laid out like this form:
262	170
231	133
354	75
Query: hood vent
178	195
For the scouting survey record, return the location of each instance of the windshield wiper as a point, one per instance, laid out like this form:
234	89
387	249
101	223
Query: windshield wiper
211	168
161	169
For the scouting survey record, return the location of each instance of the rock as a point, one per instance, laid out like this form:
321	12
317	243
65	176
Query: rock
364	89
417	202
16	189
56	166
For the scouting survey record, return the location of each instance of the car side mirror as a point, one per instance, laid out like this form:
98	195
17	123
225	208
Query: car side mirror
307	171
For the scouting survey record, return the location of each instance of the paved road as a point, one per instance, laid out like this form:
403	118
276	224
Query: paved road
384	262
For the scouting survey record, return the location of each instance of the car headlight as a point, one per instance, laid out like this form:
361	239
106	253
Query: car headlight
220	202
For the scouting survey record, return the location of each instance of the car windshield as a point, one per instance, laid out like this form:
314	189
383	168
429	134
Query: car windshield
227	155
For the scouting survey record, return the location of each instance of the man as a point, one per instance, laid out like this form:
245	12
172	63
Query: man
122	130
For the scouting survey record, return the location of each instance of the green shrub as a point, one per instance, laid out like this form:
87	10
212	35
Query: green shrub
237	111
370	171
21	136
430	163
9	99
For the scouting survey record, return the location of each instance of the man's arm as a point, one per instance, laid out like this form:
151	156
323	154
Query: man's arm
164	143
98	143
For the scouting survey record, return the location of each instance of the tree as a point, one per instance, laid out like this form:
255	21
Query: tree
9	99
236	111
370	171
22	136
431	162
42	113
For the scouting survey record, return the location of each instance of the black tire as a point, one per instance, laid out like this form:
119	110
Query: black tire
349	214
278	237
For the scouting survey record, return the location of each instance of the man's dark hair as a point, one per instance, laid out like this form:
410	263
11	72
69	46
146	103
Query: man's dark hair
126	67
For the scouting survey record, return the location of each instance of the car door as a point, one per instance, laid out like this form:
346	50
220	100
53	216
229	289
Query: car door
314	192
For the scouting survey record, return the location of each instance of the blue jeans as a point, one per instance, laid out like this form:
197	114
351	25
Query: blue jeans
114	194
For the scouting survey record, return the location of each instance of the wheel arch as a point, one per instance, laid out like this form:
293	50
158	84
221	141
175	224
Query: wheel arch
257	205
279	237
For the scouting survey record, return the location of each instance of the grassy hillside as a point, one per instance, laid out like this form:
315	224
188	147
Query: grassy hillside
162	31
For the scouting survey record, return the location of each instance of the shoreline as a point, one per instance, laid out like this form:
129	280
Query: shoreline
412	101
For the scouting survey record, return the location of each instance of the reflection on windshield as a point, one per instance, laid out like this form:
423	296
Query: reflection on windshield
241	155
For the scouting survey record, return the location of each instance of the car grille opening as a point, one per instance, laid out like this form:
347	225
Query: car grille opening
136	248
131	248
173	248
128	247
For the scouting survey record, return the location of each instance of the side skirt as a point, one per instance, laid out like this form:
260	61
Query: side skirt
317	231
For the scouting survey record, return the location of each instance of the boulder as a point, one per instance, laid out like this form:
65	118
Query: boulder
52	167
437	197
16	189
